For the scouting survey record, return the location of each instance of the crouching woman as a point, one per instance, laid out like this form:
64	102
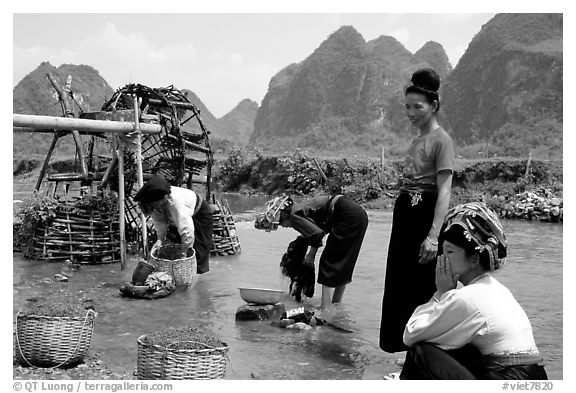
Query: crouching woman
476	331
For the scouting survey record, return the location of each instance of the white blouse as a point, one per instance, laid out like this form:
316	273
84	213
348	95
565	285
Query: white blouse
179	211
483	313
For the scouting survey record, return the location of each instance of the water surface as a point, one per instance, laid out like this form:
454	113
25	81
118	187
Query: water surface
258	350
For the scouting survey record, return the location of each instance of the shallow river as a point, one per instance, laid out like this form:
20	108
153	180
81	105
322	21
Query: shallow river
259	350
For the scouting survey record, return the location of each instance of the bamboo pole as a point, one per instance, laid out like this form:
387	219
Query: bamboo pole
139	171
121	203
382	160
320	171
528	166
86	125
47	161
69	113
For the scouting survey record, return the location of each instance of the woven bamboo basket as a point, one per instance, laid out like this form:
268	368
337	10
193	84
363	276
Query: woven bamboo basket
157	362
84	236
43	341
224	237
182	270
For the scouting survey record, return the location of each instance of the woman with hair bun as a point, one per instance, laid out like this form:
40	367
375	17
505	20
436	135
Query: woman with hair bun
425	189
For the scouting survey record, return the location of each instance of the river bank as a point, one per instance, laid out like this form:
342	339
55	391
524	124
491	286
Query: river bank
515	188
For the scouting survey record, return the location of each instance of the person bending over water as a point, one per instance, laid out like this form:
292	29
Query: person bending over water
183	208
345	222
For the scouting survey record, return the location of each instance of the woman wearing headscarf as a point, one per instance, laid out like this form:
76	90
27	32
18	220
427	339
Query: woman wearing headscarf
476	331
345	222
423	201
183	208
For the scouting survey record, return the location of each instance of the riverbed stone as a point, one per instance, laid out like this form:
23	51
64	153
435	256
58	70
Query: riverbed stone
250	312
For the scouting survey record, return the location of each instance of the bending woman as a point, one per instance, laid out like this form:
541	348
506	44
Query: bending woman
418	212
183	208
478	331
342	218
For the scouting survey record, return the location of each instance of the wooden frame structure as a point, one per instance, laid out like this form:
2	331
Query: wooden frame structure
151	132
143	125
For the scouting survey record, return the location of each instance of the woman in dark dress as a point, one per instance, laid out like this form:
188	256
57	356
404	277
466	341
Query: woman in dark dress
418	212
341	218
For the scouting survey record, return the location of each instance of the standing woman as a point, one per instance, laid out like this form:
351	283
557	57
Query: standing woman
419	211
183	208
342	218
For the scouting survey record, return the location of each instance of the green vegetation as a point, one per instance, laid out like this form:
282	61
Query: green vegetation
501	183
39	211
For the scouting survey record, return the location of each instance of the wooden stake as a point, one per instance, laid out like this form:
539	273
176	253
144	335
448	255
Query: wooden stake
47	160
139	171
121	203
528	166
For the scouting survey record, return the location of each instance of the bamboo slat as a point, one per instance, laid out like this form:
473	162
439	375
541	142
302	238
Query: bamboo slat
224	237
82	236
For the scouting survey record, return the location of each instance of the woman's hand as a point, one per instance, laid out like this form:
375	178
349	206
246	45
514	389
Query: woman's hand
428	251
309	259
445	281
156	245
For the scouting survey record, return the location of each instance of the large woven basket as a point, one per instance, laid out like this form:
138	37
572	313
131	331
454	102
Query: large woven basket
43	341
182	270
157	362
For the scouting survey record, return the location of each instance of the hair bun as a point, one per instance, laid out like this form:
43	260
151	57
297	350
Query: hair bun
426	78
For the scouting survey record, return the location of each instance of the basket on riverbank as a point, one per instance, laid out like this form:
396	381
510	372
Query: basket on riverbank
166	259
53	341
182	353
224	237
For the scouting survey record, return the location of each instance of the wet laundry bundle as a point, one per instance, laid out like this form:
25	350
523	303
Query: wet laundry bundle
302	276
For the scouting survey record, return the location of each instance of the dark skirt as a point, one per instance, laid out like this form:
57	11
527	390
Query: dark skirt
427	361
203	228
407	283
349	223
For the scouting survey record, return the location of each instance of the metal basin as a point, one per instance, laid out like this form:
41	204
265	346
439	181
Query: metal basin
260	295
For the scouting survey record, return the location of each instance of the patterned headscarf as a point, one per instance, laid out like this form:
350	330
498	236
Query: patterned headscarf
482	227
270	219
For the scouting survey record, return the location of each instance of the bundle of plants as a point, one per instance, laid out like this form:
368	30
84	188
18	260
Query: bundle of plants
60	304
187	337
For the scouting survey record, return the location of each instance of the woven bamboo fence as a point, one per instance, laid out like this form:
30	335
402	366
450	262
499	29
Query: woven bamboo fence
80	235
224	238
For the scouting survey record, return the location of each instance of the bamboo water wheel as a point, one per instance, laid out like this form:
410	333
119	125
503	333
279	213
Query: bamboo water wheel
181	152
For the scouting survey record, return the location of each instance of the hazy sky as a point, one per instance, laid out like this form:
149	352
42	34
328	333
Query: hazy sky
222	57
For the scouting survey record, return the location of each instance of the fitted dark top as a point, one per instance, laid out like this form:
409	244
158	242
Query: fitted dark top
311	219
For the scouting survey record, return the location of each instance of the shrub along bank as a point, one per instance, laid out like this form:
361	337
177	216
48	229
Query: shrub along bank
506	185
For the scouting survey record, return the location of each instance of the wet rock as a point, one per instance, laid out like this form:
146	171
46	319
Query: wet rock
299	326
61	277
249	312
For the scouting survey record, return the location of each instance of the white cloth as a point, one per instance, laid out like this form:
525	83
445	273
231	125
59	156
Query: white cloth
483	313
179	211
